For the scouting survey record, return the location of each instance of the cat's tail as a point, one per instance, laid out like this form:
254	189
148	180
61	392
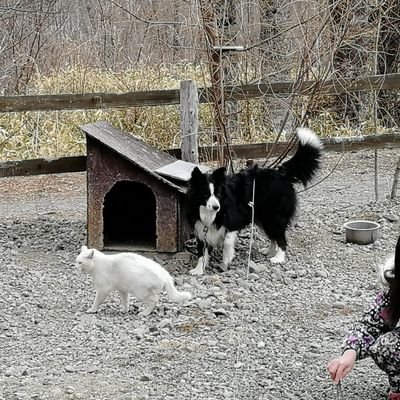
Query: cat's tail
173	294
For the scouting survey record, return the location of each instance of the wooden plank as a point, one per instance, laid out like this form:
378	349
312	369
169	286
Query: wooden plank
261	150
179	169
88	101
43	166
353	143
133	149
128	146
329	87
243	151
189	100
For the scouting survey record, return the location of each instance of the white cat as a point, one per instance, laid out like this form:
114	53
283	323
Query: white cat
128	273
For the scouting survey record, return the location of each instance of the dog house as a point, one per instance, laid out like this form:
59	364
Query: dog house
131	206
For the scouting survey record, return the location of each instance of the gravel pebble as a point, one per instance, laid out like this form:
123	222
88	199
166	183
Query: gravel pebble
256	331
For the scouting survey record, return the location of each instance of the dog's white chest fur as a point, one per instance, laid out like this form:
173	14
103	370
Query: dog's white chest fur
206	231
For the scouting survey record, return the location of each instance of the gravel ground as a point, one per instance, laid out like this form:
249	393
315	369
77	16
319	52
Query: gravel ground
264	335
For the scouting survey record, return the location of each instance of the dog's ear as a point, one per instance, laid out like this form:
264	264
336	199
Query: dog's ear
219	174
196	174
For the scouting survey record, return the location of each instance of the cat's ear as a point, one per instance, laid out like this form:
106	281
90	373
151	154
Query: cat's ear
90	254
84	248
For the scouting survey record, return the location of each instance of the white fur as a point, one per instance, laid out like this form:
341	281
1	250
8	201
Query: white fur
128	273
214	236
207	217
388	268
279	257
202	264
207	233
307	136
212	202
229	250
210	210
273	248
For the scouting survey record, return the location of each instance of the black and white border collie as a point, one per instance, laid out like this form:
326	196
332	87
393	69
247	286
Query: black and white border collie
219	205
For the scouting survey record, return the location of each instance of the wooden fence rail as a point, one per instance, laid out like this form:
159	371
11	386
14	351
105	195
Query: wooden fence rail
57	102
258	150
169	97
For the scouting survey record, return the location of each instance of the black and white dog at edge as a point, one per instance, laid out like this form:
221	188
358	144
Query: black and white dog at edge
220	205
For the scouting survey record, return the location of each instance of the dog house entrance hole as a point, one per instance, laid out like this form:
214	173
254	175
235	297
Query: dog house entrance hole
129	217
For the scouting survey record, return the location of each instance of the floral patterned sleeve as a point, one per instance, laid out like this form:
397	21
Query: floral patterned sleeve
373	323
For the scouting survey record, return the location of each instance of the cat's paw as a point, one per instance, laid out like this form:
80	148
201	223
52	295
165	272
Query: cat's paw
91	311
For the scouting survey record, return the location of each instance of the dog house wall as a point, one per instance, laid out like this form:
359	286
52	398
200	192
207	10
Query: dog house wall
105	168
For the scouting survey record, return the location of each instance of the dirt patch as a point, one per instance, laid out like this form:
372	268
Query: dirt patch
263	334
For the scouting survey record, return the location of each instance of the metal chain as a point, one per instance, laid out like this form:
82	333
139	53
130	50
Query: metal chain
205	230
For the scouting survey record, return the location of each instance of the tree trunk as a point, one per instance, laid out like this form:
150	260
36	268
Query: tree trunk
208	13
389	62
349	22
271	64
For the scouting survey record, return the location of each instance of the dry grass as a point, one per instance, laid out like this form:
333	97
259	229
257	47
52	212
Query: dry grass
43	134
51	134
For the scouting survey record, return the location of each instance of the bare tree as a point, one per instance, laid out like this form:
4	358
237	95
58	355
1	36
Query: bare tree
27	28
388	57
282	41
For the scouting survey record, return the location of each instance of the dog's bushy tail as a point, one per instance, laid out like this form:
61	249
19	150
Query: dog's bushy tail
305	162
173	294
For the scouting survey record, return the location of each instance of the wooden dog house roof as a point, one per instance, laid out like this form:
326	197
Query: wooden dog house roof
133	149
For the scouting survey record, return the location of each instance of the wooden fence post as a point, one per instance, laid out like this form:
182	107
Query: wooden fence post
189	100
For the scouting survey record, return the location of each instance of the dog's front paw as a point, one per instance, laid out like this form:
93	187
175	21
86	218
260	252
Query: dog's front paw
224	267
271	251
197	271
201	265
278	259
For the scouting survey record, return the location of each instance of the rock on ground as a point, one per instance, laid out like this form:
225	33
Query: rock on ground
264	333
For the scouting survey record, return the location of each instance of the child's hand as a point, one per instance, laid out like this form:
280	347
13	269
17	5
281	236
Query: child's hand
341	366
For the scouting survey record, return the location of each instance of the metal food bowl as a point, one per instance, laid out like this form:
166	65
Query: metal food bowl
361	232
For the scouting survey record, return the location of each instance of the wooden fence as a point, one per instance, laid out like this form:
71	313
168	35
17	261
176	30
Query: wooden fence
57	102
204	95
257	150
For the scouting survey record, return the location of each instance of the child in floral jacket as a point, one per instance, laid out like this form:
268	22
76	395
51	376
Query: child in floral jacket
377	333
